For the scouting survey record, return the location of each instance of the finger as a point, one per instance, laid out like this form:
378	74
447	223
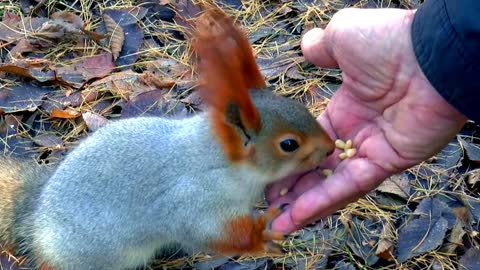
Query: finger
316	47
349	183
324	119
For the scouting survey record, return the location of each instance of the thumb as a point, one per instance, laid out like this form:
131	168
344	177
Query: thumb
317	48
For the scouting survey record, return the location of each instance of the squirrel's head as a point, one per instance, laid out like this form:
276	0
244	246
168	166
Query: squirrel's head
274	135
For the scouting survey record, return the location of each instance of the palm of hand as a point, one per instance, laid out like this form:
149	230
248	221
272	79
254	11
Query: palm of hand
385	105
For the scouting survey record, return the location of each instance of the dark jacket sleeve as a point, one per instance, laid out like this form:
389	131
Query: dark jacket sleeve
446	41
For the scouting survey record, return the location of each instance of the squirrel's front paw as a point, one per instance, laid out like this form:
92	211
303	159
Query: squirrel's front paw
250	235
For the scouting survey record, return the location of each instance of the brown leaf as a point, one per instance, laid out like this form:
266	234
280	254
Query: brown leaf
93	35
151	80
294	73
61	100
97	66
94	121
454	240
126	84
128	18
11	31
385	250
272	68
65	25
10	18
152	103
462	214
385	244
117	37
65	114
168	67
396	184
70	17
48	140
22	46
37	69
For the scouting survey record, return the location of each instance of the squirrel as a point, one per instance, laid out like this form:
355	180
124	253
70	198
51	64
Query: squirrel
138	185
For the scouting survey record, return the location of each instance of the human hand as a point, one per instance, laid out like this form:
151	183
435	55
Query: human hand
385	104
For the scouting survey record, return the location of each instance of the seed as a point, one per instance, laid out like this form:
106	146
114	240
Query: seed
351	152
339	143
327	172
348	145
342	155
283	191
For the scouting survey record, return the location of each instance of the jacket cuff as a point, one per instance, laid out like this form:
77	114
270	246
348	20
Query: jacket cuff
444	42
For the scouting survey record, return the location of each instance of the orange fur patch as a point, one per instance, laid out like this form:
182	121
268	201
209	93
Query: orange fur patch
228	70
247	235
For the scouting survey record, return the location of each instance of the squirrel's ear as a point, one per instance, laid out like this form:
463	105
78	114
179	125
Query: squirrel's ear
227	69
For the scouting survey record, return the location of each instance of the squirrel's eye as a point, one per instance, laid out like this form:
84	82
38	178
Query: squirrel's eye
289	145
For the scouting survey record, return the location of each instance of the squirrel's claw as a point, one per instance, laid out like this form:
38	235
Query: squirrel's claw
270	235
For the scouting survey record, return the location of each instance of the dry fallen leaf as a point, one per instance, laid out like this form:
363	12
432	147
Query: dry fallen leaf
65	114
13	30
126	84
94	121
22	46
454	240
116	34
39	70
70	17
385	244
128	19
398	184
48	140
152	103
169	68
97	66
150	79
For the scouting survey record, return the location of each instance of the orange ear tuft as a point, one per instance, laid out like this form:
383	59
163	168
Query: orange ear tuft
228	69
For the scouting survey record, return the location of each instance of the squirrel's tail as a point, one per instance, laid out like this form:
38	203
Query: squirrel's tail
19	181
